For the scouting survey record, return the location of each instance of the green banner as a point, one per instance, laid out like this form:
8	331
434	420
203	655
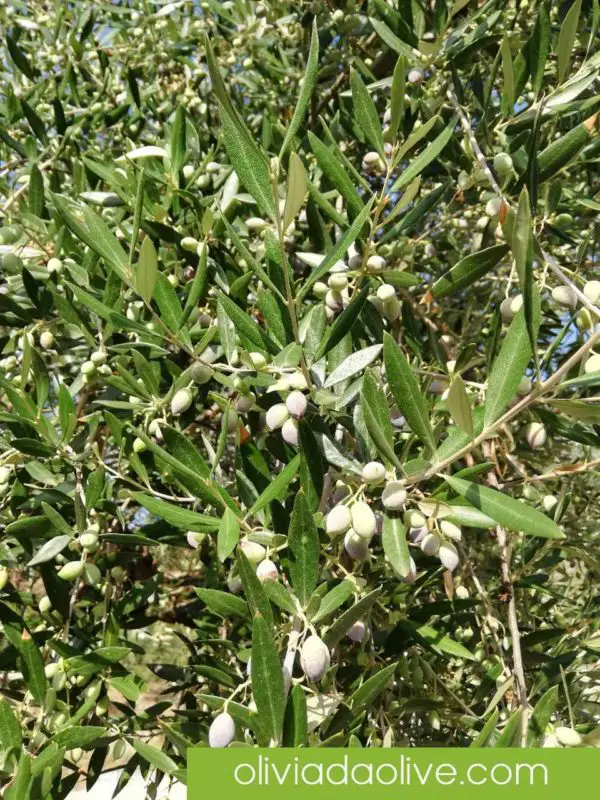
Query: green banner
420	773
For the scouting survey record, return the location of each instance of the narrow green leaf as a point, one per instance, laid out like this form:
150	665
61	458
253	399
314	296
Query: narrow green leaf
488	729
507	511
178	140
390	38
295	721
308	85
355	362
168	303
334	170
365	694
397	96
179	517
509	737
36	191
147	268
343	324
10	727
303	544
542	714
366	114
32	667
406	391
297	189
431	152
508	93
538	47
510	365
50	550
224	604
378	419
395	544
280	596
277	487
267	678
468	270
245	326
443	643
154	756
334	599
459	405
255	594
342	625
566	39
228	535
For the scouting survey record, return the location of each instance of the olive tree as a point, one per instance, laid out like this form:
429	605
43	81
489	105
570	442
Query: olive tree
299	424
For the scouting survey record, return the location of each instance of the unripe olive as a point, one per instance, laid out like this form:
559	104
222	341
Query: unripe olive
222	730
44	605
416	76
535	435
592	364
338	520
334	300
363	520
119	749
375	263
139	445
55	265
524	386
430	544
503	163
52	669
296	404
592	291
102	706
244	402
5	473
564	296
393	496
181	401
194	539
510	306
448	555
564	220
373	472
549	502
201	373
320	290
98	357
253	551
188	171
338	281
568	737
59	681
88	368
356	547
314	658
493	206
235	585
71	571
212	168
267	570
356	632
462	592
450	530
276	416
189	243
154	430
117	573
289	432
297	380
50	700
46	340
386	292
256	224
584	320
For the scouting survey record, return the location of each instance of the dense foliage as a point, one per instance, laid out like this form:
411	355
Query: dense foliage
300	353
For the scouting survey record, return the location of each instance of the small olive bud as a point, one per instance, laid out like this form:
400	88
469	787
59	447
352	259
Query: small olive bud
201	373
222	731
139	445
363	520
5	474
430	544
289	432
189	243
258	360
448	555
450	530
55	265
253	551
235	584
535	435
296	404
181	401
276	416
373	472
549	502
584	320
416	76
592	364
592	291
314	658
267	570
51	669
338	520
509	307
524	386
320	290
154	430
88	368
568	737
564	296
334	300
46	340
356	547
356	632
98	357
71	571
393	496
462	592
212	168
297	380
188	171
